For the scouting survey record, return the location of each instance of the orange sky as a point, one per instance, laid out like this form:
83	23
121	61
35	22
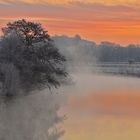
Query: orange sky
97	20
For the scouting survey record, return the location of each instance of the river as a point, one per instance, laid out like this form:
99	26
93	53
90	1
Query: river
102	107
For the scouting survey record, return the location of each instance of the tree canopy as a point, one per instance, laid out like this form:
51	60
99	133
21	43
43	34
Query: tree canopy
29	59
29	32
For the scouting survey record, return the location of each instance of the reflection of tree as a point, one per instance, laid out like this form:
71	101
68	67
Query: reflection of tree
32	117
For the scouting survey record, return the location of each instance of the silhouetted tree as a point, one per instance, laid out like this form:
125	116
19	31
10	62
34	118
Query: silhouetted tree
29	32
29	56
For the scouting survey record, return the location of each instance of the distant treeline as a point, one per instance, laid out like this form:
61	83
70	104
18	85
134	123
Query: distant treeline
75	47
110	52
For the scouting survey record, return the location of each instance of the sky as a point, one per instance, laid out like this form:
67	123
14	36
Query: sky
98	20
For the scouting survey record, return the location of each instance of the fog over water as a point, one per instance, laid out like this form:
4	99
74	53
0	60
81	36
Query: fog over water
32	117
101	106
93	105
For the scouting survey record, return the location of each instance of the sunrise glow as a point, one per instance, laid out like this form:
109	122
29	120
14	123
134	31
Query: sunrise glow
96	20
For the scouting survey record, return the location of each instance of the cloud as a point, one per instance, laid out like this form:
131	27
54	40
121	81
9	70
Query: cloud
74	10
106	2
33	1
92	20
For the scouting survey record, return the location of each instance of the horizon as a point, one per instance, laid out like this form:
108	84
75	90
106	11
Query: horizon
93	41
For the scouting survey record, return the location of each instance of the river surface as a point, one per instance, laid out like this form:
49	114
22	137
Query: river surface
102	107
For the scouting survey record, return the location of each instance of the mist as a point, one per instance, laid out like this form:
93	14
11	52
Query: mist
40	115
32	117
78	52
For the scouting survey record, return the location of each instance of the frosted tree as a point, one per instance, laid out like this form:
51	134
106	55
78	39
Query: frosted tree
34	60
29	61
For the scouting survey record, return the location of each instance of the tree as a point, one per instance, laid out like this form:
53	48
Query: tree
30	56
29	32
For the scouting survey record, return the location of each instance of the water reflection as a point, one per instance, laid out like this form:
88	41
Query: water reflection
32	117
102	107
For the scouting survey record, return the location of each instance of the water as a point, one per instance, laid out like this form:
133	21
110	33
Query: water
102	107
32	117
96	106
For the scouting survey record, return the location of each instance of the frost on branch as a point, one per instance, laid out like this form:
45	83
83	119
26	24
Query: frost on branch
29	59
